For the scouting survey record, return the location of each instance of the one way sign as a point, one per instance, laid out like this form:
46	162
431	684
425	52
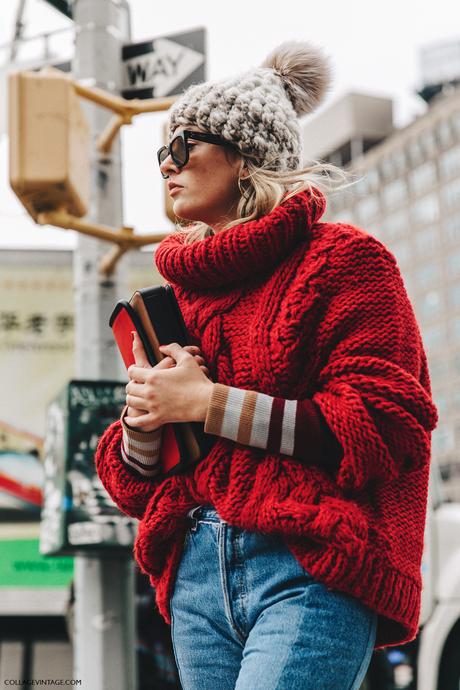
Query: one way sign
164	66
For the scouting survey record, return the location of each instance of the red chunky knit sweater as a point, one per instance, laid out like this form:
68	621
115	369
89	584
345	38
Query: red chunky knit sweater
292	307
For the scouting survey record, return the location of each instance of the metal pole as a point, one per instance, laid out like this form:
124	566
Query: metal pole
104	586
18	29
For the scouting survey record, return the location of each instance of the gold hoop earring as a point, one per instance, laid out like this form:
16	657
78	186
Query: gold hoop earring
243	192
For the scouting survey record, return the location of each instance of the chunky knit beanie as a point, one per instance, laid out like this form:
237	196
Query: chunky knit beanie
258	110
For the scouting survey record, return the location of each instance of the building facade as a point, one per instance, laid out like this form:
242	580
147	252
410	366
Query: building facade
408	196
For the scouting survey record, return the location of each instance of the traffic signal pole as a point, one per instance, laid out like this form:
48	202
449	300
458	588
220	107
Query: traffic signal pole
104	585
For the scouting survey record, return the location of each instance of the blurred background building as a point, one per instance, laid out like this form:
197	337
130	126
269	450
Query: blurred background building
37	343
408	196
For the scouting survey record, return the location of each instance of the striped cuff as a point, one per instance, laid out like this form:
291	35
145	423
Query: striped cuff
291	427
141	450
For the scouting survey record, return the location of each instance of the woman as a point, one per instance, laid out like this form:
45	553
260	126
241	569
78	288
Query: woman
293	549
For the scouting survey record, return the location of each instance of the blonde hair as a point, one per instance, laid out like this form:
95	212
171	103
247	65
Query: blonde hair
262	190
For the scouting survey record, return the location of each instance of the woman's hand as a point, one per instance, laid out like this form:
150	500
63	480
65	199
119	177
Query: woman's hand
140	359
177	389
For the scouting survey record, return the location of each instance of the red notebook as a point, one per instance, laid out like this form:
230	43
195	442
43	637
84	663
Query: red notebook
155	315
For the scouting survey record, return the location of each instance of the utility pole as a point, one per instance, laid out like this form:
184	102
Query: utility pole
104	584
18	29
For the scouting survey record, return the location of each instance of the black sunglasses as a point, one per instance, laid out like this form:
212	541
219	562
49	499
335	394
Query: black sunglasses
179	149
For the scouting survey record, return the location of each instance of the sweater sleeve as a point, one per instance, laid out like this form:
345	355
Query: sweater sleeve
140	450
290	427
374	389
129	488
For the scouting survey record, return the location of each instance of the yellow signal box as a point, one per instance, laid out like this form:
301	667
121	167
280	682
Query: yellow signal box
49	144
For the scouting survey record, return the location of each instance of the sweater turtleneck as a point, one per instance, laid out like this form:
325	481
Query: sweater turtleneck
245	250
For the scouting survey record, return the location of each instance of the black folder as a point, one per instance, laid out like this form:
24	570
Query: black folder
155	314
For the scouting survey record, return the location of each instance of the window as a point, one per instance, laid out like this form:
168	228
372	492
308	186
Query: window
415	153
373	178
426	241
438	369
396	225
456	362
361	186
367	208
425	210
442	437
344	216
394	194
440	400
397	163
422	178
402	252
456	407
444	134
454	296
451	228
453	263
451	195
334	203
433	336
429	304
387	168
449	162
428	275
455	120
428	143
340	199
454	328
408	284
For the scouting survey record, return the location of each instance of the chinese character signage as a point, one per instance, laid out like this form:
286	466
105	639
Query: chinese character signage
36	341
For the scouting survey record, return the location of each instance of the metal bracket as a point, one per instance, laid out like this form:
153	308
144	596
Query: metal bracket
124	238
124	110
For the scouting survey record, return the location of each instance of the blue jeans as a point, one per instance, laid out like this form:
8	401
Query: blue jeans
245	615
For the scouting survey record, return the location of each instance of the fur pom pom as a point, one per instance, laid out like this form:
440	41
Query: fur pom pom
306	73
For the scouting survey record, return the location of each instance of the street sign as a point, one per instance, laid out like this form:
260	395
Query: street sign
31	584
78	515
22	565
63	6
164	66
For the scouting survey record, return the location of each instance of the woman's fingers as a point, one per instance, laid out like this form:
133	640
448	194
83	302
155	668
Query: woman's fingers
140	358
165	363
168	362
138	389
193	350
137	403
140	421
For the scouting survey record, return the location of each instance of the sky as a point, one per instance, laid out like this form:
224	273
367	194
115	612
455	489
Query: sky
374	48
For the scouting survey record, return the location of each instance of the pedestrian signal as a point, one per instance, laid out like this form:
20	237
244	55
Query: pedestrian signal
49	139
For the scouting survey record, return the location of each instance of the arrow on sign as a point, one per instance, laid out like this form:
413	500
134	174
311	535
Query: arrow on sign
162	69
